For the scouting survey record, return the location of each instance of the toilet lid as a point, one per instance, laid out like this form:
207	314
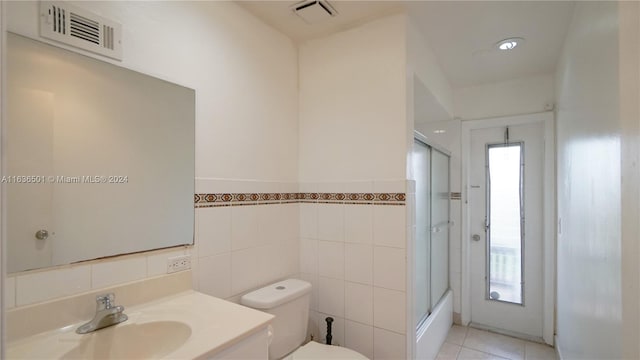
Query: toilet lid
314	350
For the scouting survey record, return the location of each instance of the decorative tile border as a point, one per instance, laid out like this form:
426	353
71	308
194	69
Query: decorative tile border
238	199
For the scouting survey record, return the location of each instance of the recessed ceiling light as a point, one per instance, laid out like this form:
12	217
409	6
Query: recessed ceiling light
510	43
439	131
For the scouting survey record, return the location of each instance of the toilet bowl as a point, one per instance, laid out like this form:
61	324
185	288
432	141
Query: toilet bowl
289	301
314	350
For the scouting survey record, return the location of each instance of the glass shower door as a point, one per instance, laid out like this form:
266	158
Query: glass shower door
421	170
431	245
439	225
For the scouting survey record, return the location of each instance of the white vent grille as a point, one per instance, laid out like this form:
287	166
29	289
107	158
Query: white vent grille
84	28
314	11
59	17
80	28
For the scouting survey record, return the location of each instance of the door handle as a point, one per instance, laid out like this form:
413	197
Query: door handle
42	234
475	237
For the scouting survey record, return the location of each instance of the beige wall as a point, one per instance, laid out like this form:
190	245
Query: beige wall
526	95
353	138
352	104
423	65
597	128
245	76
244	73
629	72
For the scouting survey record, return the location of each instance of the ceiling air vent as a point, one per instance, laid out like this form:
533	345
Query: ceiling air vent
79	28
313	12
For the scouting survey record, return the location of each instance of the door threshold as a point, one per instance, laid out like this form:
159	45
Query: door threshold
513	334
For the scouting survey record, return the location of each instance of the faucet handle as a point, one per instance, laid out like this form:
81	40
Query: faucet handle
104	301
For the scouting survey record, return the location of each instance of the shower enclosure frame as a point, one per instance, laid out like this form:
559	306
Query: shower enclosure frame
425	335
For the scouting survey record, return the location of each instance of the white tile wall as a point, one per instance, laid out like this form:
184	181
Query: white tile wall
331	222
40	286
213	231
388	345
308	221
213	275
254	186
194	270
331	259
118	271
331	187
390	267
331	296
389	223
360	276
250	268
455	253
244	227
359	302
455	281
289	219
358	224
309	256
253	245
358	263
389	310
411	209
307	187
287	257
313	328
359	337
31	287
270	223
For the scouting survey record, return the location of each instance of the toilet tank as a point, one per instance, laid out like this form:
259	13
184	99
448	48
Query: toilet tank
288	300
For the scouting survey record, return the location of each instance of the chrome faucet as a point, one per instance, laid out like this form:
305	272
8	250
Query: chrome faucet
107	314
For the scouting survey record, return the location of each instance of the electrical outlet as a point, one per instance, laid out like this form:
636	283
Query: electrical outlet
178	263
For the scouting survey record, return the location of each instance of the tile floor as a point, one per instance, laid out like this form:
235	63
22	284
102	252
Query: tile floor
464	343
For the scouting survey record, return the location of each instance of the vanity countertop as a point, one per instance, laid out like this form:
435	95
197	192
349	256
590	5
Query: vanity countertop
186	325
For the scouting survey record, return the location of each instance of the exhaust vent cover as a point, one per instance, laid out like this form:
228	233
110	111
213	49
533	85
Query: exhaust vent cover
313	12
80	28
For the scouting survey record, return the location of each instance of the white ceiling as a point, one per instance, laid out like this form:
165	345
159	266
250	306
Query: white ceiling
461	34
350	13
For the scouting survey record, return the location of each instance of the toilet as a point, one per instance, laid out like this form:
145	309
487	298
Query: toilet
289	301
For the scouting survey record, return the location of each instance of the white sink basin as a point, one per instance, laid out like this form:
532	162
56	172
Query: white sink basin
151	340
187	325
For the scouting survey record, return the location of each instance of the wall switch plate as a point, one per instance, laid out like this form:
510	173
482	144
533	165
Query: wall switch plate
178	263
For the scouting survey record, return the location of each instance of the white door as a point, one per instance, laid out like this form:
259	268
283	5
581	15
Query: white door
505	195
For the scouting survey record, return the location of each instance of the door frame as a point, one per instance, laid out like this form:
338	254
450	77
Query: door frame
548	214
3	103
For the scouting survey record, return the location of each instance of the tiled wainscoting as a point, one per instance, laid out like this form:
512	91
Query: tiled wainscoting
240	248
347	239
30	287
355	257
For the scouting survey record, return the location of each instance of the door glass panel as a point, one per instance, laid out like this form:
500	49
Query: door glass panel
439	226
505	222
420	158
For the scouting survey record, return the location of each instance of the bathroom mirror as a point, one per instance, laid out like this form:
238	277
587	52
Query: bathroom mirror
100	159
